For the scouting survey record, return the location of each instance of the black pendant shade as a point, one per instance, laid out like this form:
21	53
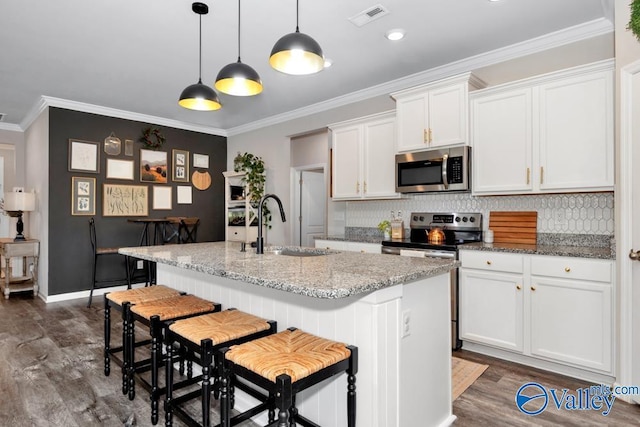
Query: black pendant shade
297	53
199	96
237	78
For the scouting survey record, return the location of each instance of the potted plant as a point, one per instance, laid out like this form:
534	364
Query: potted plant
634	22
385	227
253	167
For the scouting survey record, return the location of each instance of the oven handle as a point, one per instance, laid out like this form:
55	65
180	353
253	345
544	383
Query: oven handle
445	179
389	250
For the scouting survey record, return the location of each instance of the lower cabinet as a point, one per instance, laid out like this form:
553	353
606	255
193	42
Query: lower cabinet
553	308
342	245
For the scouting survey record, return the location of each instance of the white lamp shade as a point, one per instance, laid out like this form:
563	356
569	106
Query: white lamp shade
19	201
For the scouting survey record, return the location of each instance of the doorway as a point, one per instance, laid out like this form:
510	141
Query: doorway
310	201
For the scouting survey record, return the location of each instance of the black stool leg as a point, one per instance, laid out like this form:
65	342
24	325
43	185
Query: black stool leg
351	386
93	276
207	360
224	389
156	356
284	396
293	412
168	410
107	336
125	348
131	343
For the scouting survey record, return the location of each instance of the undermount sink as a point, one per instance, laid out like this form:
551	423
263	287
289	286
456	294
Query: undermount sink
290	252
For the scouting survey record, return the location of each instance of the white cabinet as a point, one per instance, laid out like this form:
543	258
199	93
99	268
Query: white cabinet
242	218
547	134
491	299
363	164
435	114
341	245
557	309
571	311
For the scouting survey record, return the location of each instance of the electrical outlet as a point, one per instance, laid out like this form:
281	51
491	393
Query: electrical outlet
560	218
406	323
139	264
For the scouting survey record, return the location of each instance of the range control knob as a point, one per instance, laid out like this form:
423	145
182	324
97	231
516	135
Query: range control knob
472	219
415	217
421	218
457	219
464	219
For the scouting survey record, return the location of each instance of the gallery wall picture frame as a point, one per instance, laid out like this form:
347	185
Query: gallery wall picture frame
128	147
84	156
161	198
125	200
180	165
153	166
201	161
184	194
83	195
120	169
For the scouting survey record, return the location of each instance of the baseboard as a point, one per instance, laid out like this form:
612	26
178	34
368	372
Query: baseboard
449	421
85	294
557	368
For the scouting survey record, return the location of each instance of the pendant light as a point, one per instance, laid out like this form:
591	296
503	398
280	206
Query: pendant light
297	53
199	96
237	78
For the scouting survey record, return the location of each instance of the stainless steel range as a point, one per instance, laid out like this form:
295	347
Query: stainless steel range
438	235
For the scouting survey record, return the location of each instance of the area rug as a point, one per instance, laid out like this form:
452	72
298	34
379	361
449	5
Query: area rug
464	373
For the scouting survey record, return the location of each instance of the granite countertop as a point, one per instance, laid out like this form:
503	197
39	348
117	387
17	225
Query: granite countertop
334	274
555	250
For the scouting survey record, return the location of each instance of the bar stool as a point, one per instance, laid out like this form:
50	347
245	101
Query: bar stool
285	364
188	230
155	314
202	336
115	300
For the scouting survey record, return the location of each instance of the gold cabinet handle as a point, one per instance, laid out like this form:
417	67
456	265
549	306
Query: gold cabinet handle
361	251
567	269
357	186
528	176
430	136
533	288
365	187
541	174
425	137
518	287
488	262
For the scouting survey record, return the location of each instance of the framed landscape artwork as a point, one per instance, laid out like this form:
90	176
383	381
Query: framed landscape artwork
83	196
153	166
84	156
125	200
180	165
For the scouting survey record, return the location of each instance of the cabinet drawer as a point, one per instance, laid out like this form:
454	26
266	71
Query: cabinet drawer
237	234
492	261
572	268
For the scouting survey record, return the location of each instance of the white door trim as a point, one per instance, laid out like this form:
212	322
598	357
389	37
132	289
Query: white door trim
295	190
623	203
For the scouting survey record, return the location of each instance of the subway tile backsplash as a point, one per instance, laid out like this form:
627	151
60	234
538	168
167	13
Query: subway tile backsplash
578	213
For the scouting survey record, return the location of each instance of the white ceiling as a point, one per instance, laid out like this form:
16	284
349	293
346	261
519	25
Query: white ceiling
138	56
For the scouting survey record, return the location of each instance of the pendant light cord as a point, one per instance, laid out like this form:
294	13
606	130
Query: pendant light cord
297	16
238	30
200	54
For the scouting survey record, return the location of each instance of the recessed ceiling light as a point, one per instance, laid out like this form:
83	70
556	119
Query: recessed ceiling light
395	34
328	62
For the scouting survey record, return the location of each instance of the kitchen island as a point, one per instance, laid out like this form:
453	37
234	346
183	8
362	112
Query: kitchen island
395	309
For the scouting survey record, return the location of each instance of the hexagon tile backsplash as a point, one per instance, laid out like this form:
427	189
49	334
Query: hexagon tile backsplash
578	213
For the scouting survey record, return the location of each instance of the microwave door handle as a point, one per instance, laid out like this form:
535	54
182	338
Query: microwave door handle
445	179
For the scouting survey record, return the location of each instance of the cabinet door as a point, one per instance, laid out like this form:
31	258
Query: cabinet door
365	248
379	159
339	245
576	133
571	322
347	162
491	308
447	114
412	118
502	140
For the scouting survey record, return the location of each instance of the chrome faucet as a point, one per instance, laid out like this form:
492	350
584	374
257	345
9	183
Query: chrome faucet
260	241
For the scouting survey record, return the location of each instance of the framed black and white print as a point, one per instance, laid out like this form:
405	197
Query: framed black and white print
83	196
180	165
84	156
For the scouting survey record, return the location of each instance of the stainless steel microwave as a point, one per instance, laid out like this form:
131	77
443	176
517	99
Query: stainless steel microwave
437	170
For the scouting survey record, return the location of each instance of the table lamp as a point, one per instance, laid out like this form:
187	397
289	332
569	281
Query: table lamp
17	202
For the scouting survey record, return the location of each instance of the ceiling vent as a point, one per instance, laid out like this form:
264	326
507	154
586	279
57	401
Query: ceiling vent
369	15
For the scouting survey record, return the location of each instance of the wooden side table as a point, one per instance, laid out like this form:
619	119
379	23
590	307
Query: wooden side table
24	249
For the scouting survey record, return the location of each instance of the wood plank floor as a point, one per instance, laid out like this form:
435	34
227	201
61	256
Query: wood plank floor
51	375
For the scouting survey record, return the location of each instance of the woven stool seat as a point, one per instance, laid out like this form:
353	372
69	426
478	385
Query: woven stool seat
294	353
219	327
140	295
173	307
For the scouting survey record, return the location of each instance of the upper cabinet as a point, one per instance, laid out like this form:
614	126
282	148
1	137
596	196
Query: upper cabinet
363	163
548	134
435	114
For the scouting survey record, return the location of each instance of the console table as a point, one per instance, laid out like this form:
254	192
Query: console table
25	249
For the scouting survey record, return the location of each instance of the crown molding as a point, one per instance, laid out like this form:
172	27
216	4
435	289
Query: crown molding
11	127
48	101
559	38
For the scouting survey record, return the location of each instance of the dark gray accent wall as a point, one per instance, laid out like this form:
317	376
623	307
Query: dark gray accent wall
70	256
